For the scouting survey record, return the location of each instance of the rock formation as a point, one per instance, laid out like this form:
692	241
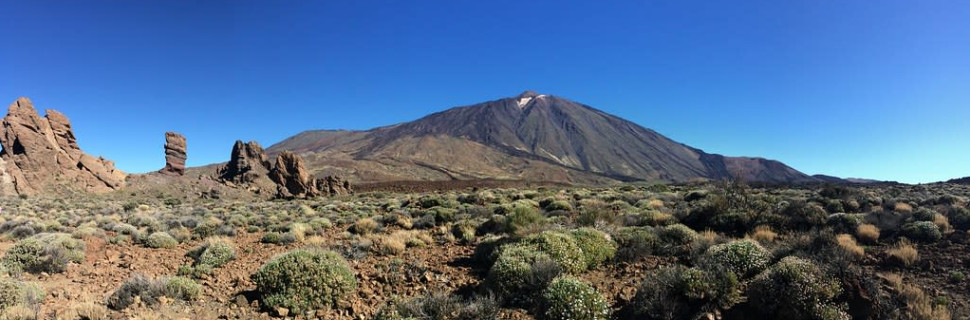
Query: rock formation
334	186
175	154
292	178
247	163
41	153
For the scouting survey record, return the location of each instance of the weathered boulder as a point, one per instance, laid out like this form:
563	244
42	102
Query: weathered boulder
292	178
334	186
175	154
41	153
247	163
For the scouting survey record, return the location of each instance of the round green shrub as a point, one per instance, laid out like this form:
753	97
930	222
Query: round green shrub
795	288
571	298
561	248
304	279
679	292
743	257
182	288
675	239
924	214
925	231
214	252
635	242
161	240
558	205
515	276
959	217
45	252
596	245
521	218
272	237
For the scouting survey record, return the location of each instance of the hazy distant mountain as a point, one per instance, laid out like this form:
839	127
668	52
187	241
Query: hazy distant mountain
530	136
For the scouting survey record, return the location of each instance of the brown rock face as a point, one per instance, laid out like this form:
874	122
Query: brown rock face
247	163
175	154
334	186
292	178
41	153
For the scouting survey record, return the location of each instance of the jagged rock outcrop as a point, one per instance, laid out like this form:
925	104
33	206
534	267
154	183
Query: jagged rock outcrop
247	163
175	154
41	154
292	178
334	186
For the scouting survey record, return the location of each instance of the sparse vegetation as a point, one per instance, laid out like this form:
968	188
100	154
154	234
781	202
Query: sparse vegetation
736	251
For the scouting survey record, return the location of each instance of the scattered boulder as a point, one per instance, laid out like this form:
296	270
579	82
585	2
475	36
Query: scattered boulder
247	163
41	153
292	178
334	186
175	154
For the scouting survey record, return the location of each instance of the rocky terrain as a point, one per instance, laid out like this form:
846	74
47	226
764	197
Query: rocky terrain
41	155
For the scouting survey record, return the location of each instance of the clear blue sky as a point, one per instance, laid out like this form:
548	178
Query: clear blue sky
847	88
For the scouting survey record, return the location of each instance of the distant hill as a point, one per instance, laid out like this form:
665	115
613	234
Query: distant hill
964	180
527	137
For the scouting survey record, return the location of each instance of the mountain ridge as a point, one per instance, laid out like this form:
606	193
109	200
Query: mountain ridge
570	140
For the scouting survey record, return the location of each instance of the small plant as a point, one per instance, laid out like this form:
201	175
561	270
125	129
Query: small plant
560	247
921	306
272	238
364	226
957	276
304	279
596	246
182	288
147	290
848	244
439	305
684	293
743	257
925	231
570	298
45	252
161	240
903	254
18	293
520	272
635	242
867	233
214	252
795	288
764	234
523	218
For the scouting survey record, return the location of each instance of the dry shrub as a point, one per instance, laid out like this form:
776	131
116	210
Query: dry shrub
19	312
920	306
707	236
942	222
365	226
895	280
847	243
317	241
903	254
655	204
764	234
88	310
867	233
903	207
397	242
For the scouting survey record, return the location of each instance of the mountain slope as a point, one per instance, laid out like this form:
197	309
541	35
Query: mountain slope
530	136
